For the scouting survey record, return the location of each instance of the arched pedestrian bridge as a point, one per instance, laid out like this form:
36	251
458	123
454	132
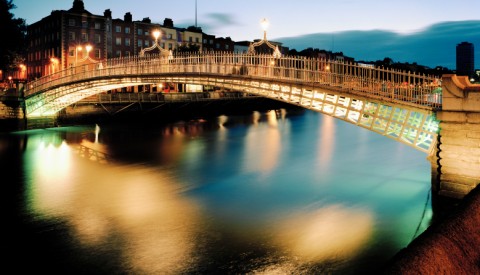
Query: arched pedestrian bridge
399	105
438	116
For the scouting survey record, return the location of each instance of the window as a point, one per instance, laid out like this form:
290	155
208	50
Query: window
118	41
147	43
127	42
71	22
205	41
97	53
197	39
170	36
71	36
84	24
139	31
127	53
71	52
98	38
127	29
217	46
147	33
84	37
118	54
190	39
98	25
226	47
140	43
118	29
170	46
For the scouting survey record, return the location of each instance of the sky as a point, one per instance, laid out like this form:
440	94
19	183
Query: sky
240	20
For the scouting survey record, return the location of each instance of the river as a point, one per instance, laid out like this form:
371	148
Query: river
275	192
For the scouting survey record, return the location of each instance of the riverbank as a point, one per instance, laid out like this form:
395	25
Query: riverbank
450	246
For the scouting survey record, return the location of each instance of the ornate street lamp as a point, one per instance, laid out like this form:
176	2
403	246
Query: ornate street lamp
276	51
88	48
156	34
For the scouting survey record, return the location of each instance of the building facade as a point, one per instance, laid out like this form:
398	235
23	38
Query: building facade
74	37
65	39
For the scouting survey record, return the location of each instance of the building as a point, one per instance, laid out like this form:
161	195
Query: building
64	39
465	59
69	38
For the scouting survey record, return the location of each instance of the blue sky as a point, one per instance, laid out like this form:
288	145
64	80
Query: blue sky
241	19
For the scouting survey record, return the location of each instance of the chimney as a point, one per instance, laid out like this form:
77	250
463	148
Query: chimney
128	17
168	23
107	13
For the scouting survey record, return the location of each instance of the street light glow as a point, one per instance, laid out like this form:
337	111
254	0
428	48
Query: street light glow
156	34
265	24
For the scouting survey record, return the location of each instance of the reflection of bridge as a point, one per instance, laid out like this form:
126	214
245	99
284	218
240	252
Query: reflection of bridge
400	105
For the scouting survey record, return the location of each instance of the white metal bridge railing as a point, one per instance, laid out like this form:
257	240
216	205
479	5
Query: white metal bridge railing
421	90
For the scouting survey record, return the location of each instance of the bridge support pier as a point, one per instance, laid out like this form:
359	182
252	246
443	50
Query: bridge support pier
456	162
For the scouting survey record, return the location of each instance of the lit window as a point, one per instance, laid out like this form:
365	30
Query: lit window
118	29
127	41
118	41
127	29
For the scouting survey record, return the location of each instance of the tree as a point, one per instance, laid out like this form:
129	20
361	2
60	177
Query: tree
13	38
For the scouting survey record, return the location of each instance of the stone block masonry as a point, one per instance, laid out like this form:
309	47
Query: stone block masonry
459	149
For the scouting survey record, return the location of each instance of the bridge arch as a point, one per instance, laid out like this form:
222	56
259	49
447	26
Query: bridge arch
395	104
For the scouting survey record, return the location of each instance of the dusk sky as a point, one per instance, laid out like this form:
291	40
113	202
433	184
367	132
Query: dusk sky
240	20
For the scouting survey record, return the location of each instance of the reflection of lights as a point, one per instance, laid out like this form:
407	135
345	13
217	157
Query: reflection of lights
272	118
256	117
331	233
222	120
327	143
97	131
270	145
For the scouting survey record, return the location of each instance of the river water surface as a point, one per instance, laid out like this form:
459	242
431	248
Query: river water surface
264	193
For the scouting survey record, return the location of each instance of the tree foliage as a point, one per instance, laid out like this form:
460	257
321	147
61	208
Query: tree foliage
13	37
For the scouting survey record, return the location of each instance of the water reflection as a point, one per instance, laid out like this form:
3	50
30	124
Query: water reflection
266	140
331	233
262	193
135	208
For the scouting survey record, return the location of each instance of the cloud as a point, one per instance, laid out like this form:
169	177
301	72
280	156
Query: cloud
432	46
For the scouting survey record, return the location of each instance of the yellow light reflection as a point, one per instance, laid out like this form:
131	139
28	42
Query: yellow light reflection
332	233
327	143
267	141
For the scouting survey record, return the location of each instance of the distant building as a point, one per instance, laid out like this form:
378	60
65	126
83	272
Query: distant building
465	59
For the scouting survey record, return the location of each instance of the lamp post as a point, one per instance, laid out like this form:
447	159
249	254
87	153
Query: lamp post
276	52
78	48
156	34
23	69
54	62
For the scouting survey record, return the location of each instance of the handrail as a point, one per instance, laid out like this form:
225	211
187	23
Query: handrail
412	87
